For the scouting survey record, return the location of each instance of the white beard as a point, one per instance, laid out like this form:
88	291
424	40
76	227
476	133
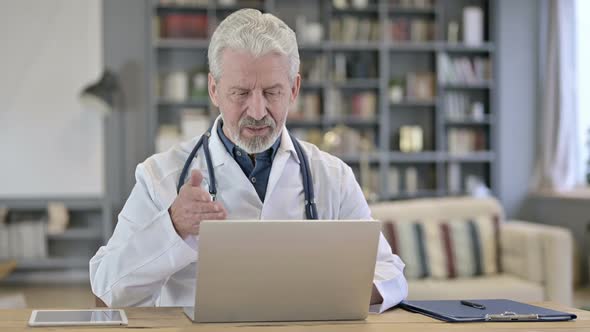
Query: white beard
256	144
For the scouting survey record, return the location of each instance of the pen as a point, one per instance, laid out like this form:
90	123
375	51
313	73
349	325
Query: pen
473	305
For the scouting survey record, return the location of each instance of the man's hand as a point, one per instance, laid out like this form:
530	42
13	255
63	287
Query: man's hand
193	205
376	296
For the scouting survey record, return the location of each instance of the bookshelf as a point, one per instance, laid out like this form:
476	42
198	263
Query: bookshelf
395	58
65	256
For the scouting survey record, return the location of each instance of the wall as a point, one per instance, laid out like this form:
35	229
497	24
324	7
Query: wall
517	47
570	212
49	145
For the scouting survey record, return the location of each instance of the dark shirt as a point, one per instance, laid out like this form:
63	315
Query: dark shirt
258	172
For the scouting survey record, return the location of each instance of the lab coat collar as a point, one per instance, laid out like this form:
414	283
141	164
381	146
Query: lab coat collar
219	154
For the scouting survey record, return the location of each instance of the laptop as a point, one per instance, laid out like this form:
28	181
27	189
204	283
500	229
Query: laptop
298	270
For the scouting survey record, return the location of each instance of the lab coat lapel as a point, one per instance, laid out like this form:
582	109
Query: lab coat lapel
286	151
233	187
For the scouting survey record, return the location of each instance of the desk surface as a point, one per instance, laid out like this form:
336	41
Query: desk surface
173	319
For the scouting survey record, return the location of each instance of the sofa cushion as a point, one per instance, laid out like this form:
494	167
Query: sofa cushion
446	248
489	287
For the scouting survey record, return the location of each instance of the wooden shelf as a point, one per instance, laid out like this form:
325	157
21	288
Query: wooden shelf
410	46
45	277
422	193
238	6
315	47
469	122
472	157
416	157
74	204
462	48
167	9
180	43
77	234
467	86
357	158
351	122
412	11
51	263
303	123
353	46
370	9
352	83
413	104
310	85
188	103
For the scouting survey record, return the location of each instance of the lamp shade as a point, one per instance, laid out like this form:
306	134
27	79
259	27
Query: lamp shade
101	94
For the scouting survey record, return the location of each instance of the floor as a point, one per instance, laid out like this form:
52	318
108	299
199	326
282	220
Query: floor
80	296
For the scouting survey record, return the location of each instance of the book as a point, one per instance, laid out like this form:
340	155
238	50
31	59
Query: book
420	86
414	30
464	69
464	140
183	25
194	122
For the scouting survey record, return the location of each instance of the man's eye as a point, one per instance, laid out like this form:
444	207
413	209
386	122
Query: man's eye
242	93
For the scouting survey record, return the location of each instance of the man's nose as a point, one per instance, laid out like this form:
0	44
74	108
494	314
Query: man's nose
257	106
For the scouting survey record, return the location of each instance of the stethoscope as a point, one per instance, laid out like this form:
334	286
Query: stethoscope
310	206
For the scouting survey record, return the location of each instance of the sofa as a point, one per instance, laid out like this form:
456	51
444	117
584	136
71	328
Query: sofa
514	259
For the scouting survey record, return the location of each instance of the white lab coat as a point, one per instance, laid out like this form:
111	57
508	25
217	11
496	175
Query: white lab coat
146	263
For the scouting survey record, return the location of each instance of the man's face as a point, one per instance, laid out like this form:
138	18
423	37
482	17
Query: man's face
253	96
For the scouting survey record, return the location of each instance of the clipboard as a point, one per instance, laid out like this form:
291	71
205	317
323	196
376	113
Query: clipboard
495	310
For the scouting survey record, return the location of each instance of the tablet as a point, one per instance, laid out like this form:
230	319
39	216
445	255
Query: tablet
78	317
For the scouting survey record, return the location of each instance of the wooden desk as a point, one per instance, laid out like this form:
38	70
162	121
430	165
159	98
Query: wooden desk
173	319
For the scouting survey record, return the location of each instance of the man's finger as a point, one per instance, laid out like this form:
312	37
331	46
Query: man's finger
196	178
213	216
199	195
206	207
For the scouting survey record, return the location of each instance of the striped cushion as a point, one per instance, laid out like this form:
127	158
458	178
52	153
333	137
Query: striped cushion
446	248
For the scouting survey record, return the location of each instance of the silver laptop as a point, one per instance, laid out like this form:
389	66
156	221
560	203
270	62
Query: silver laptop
255	271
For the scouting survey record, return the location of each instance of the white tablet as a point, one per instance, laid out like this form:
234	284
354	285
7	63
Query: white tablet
78	317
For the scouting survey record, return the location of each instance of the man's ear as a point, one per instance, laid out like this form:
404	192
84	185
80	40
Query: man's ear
295	88
212	87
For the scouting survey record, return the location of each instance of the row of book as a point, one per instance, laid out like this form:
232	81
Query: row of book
465	140
458	107
408	180
413	87
339	140
415	30
183	85
420	86
182	25
360	65
464	69
193	122
183	3
313	68
416	4
459	182
23	240
348	29
306	107
204	3
369	178
359	105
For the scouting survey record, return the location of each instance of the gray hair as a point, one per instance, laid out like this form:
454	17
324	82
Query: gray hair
257	33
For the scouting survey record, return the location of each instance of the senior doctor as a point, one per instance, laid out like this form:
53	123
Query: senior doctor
152	255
